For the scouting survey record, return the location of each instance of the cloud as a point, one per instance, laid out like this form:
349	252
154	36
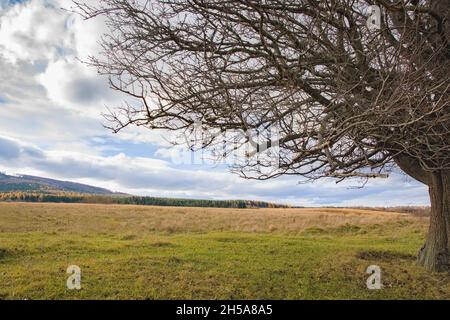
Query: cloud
39	33
72	85
33	31
8	149
11	149
47	95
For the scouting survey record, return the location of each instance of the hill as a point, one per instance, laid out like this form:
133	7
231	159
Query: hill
26	183
25	188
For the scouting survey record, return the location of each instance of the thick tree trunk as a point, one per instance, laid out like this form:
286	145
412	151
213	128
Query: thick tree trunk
435	254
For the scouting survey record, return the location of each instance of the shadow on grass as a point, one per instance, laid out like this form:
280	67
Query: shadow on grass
9	254
384	255
3	253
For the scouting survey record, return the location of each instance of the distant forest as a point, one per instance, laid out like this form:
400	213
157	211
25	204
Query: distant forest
68	197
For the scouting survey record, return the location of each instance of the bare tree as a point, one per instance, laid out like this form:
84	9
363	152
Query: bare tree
348	100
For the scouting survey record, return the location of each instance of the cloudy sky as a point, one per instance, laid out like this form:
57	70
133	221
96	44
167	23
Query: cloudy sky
51	125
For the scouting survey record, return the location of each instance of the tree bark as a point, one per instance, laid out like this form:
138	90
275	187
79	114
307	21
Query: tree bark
435	254
413	168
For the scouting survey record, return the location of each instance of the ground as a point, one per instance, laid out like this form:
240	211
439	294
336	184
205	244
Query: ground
137	252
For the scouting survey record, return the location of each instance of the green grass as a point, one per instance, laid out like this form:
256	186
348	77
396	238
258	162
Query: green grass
314	263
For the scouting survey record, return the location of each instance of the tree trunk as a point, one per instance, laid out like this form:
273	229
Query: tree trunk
435	254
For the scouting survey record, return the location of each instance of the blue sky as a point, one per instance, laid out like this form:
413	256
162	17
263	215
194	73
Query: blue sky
51	125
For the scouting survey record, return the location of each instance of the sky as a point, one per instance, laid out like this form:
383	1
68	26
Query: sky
51	109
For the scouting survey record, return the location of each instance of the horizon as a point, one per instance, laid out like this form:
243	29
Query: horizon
119	192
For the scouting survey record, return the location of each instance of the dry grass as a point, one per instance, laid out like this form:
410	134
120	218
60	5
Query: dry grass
418	211
139	252
86	218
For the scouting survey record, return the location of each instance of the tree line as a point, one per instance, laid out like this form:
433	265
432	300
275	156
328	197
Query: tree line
69	197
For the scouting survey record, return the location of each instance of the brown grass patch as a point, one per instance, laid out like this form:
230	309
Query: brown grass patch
113	219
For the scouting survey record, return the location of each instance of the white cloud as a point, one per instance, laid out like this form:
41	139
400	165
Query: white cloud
40	33
46	88
72	85
33	31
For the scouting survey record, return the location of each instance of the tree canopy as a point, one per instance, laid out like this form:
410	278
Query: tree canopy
346	100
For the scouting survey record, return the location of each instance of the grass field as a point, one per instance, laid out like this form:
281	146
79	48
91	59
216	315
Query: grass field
136	252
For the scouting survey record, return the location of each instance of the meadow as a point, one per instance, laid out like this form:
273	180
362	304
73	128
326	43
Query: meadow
149	252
